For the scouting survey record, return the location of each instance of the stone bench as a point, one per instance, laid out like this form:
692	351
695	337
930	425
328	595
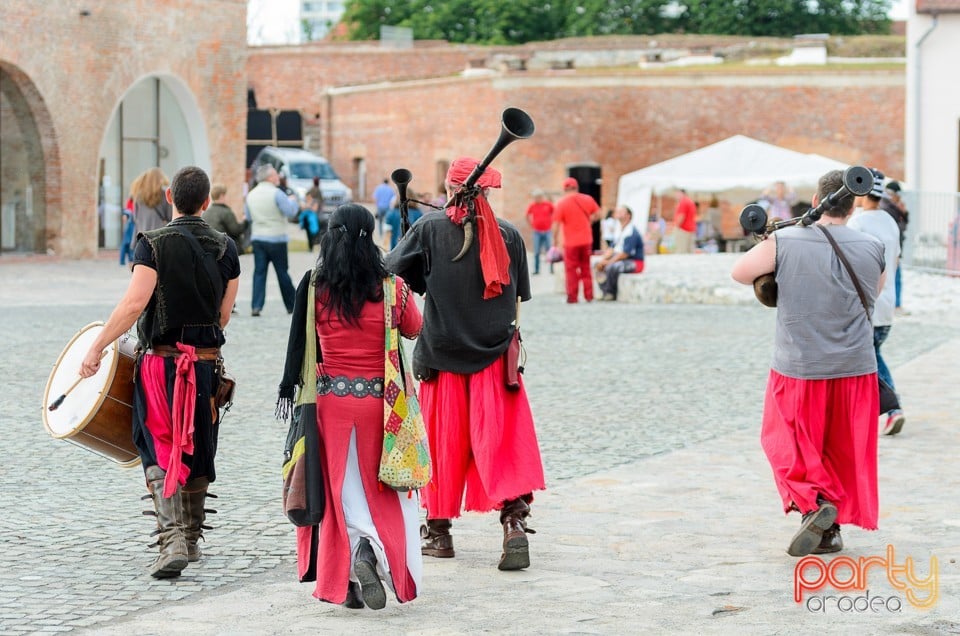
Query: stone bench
702	279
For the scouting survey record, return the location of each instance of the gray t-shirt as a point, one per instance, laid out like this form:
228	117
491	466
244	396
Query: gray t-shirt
461	332
822	328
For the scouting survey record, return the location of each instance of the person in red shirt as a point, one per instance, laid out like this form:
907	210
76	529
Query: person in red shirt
684	223
540	218
574	213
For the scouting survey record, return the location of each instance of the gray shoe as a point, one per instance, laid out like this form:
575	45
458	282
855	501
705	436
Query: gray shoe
810	534
365	567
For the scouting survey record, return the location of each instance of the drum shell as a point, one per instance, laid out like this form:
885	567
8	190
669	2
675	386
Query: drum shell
105	426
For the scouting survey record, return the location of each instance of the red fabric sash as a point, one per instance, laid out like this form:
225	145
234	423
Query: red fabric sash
172	431
494	259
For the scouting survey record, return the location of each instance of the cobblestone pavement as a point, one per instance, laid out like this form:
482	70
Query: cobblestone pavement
610	384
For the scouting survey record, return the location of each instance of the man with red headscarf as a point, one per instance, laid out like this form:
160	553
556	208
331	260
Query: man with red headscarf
473	268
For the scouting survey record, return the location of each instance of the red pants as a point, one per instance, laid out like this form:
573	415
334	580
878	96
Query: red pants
482	442
820	437
576	265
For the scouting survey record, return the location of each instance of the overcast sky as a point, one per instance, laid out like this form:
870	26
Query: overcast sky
278	21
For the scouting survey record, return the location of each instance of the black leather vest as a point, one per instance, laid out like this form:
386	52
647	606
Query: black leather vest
185	295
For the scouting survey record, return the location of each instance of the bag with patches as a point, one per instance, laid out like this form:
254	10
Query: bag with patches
405	460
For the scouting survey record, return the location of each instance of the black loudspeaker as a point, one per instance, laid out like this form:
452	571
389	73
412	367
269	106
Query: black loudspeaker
289	126
588	178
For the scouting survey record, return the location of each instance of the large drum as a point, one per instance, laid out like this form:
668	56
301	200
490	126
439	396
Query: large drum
97	412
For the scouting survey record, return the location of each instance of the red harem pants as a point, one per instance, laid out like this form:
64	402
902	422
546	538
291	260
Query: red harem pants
576	268
482	441
820	437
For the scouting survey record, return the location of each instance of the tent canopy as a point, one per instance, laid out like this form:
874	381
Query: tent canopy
738	163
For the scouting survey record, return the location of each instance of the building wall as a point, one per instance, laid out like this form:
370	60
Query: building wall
933	103
75	69
623	122
297	77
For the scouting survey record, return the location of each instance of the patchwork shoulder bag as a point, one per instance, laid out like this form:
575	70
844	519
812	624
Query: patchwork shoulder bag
405	460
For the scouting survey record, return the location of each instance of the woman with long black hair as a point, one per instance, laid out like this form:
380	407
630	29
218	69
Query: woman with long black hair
369	534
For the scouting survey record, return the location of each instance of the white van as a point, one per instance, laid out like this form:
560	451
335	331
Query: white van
300	167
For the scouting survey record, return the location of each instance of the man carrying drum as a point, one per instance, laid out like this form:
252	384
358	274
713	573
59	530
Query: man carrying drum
184	284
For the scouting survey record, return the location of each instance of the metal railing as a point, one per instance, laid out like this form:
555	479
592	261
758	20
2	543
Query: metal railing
933	233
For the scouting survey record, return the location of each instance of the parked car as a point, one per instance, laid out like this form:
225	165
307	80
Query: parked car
300	166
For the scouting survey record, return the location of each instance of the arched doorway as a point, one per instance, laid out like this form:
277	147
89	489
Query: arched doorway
156	124
29	161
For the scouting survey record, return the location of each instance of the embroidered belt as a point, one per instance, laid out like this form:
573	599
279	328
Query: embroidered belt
342	386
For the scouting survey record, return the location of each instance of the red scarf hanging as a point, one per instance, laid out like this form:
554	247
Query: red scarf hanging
494	259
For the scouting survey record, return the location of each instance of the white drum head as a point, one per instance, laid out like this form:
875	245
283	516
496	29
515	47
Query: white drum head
83	400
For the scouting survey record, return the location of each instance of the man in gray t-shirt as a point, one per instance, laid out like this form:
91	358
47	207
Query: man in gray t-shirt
872	220
821	405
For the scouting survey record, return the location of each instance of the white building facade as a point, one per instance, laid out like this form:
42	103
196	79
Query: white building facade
319	16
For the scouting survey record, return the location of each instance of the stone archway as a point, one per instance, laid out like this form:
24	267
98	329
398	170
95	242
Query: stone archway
29	167
157	123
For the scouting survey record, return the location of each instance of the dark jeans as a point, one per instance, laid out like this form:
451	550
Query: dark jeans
898	285
613	271
879	336
264	253
541	243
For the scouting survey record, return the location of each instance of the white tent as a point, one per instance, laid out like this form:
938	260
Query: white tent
739	167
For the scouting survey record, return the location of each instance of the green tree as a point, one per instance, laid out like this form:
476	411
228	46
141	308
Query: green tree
519	21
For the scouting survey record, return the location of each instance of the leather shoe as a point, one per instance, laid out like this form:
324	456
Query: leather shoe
365	567
354	599
812	528
437	541
516	547
831	541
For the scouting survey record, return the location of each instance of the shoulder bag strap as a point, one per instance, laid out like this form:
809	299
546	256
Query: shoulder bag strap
312	354
209	262
846	264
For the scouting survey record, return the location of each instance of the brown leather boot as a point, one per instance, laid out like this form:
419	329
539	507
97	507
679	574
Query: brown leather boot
170	527
193	496
437	541
516	548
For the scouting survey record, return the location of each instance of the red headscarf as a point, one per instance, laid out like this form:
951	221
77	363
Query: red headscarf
494	260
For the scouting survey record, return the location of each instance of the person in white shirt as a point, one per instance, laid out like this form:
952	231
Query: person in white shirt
871	219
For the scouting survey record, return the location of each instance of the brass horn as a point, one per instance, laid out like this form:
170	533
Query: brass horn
402	177
514	124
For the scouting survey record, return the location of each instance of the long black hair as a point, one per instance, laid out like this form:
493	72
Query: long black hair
350	269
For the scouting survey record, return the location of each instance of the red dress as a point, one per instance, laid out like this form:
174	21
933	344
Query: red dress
358	351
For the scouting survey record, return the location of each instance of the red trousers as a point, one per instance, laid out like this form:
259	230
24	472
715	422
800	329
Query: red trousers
576	266
820	437
482	442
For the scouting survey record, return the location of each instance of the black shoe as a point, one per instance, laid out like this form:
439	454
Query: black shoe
831	541
812	528
255	312
365	568
354	599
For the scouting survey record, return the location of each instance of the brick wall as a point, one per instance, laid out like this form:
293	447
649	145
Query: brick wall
296	77
622	122
74	71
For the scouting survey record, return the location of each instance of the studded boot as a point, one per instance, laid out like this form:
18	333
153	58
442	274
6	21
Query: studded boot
516	548
437	541
193	496
170	534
